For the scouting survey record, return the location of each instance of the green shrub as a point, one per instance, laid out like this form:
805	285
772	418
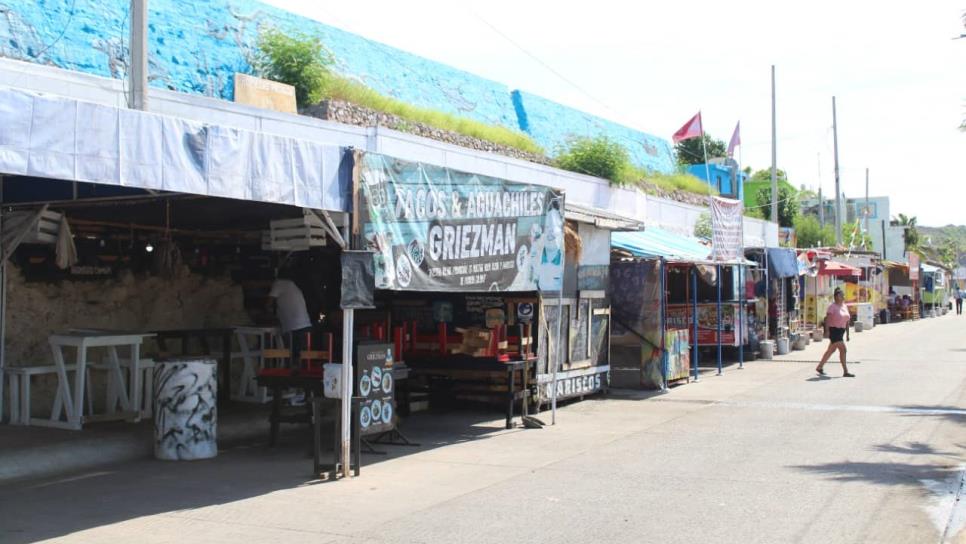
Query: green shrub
681	181
600	157
303	62
702	227
341	88
300	61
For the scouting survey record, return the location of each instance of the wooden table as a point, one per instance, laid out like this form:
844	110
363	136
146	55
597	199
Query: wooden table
72	402
468	369
185	335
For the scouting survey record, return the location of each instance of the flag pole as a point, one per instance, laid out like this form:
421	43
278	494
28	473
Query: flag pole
704	149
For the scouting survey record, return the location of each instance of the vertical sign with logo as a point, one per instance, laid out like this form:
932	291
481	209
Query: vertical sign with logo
376	386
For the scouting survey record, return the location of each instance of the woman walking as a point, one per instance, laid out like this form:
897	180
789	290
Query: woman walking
836	327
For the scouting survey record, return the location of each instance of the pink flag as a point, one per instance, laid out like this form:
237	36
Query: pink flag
735	140
691	129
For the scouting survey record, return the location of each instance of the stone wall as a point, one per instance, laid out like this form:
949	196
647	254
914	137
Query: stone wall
140	303
351	114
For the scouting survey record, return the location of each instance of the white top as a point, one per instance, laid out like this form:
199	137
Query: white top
290	302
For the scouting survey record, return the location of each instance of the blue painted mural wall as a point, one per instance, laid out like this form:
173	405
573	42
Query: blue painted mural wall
197	46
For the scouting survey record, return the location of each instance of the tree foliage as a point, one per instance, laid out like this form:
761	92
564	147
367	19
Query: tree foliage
787	204
690	151
298	60
765	175
811	233
912	234
600	157
702	227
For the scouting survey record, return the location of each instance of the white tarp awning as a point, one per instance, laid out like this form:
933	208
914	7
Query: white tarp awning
62	138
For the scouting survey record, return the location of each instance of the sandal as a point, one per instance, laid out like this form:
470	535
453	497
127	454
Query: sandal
848	375
820	371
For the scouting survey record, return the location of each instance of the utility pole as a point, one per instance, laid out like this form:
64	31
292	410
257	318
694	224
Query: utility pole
774	153
138	98
838	192
867	233
821	201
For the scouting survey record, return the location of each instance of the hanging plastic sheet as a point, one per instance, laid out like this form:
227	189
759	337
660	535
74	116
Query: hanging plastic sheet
782	262
52	137
636	308
358	280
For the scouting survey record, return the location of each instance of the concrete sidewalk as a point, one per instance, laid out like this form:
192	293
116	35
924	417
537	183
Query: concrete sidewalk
771	453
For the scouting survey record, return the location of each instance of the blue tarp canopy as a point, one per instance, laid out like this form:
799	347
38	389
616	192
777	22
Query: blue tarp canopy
782	262
656	242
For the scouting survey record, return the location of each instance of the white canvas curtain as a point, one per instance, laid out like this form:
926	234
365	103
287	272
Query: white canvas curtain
54	137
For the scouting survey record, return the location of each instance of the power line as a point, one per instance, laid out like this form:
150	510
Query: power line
70	17
541	62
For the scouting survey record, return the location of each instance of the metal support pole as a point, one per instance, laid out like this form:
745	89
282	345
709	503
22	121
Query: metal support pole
663	329
557	343
139	55
742	316
3	308
694	316
720	329
348	319
767	297
348	328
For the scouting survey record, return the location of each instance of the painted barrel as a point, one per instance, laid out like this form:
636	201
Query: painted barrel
782	346
185	411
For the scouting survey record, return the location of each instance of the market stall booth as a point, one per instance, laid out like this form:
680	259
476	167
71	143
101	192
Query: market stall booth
130	239
670	302
935	290
903	294
777	308
473	276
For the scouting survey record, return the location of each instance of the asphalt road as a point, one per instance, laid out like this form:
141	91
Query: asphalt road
770	453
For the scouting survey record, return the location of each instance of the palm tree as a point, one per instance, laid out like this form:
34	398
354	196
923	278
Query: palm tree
912	234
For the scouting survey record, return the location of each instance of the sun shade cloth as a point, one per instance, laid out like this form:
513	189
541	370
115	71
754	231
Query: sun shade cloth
657	242
48	136
782	262
834	268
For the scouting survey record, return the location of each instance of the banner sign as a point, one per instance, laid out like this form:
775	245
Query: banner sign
437	229
726	229
679	317
914	266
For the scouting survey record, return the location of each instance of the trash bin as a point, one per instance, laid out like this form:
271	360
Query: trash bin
767	349
185	412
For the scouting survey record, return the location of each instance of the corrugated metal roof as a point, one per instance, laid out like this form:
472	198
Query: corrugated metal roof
601	218
657	242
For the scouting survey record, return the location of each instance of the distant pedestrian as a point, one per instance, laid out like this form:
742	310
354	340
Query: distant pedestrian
837	330
958	295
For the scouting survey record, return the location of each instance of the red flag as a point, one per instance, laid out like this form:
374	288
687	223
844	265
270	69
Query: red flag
691	129
735	140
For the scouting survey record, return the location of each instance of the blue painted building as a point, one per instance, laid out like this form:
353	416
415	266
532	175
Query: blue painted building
197	47
726	178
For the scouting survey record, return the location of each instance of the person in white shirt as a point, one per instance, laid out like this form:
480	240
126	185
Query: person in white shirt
293	316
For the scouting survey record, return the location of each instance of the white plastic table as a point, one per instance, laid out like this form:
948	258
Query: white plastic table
73	395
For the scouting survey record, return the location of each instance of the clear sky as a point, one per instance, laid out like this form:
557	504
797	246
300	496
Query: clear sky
898	76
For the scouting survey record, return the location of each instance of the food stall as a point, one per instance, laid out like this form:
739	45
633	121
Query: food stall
778	306
668	293
935	289
472	274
